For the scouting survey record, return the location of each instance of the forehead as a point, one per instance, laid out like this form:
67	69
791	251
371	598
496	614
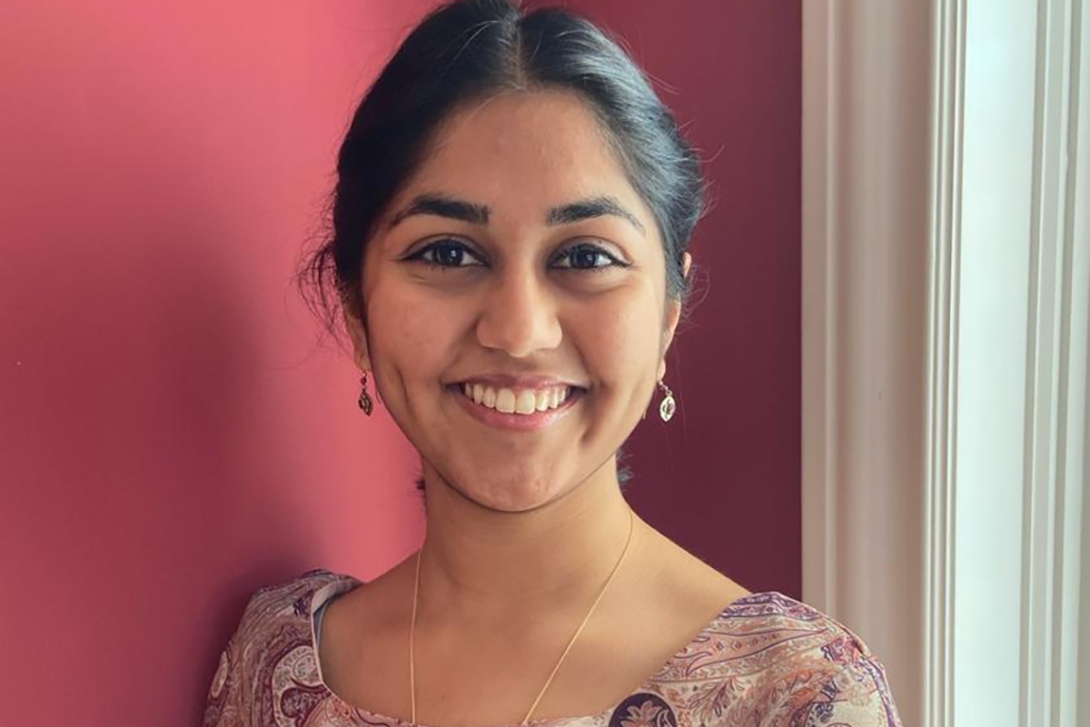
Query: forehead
522	153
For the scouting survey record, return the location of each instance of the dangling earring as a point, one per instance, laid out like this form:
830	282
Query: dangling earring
365	398
668	406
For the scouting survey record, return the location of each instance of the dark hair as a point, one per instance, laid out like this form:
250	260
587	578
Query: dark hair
469	50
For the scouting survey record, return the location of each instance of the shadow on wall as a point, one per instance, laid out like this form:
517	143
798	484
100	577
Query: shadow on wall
142	447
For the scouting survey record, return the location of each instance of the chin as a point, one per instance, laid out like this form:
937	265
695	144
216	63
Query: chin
514	492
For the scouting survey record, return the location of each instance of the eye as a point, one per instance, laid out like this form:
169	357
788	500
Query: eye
585	256
446	253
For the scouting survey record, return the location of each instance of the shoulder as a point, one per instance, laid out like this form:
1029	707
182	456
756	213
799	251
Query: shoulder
274	633
293	598
279	613
770	656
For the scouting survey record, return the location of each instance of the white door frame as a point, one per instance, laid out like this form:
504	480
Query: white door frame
946	266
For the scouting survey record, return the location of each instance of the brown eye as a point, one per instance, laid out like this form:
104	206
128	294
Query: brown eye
446	253
587	257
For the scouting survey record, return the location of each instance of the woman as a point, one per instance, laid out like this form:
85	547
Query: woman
511	220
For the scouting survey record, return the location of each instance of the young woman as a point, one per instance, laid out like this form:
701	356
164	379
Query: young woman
510	226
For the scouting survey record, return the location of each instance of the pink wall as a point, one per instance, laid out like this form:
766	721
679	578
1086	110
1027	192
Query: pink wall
171	435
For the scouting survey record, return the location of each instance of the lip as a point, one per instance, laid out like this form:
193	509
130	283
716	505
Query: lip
514	422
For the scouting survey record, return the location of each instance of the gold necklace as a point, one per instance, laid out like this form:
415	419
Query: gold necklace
526	719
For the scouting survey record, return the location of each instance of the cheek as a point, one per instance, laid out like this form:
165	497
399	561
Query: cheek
619	338
410	334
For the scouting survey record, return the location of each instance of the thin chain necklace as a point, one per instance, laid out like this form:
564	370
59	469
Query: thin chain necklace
526	719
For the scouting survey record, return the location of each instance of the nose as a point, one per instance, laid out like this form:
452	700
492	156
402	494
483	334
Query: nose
519	316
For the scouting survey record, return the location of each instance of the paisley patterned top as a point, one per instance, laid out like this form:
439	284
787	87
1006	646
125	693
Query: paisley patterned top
766	660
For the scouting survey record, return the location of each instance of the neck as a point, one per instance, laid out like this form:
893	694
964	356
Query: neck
484	564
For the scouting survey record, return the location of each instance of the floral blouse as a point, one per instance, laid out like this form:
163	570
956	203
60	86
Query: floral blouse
766	660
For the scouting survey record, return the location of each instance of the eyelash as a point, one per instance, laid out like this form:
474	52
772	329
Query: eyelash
419	255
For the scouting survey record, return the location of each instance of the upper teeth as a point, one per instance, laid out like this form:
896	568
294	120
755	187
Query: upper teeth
517	401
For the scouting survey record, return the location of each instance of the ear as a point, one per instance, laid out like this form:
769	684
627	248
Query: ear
673	315
359	338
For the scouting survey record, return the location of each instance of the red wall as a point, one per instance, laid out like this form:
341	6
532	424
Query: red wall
171	436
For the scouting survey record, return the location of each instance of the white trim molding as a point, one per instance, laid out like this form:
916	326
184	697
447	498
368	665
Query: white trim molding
941	355
865	177
946	326
1058	325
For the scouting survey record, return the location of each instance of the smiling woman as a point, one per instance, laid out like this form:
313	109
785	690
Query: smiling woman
508	256
517	289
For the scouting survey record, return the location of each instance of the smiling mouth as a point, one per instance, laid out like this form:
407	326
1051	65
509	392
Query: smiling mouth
525	402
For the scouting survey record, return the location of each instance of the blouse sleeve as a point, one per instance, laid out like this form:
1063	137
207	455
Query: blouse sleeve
228	703
856	695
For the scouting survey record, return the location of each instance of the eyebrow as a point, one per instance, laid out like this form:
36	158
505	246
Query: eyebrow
443	205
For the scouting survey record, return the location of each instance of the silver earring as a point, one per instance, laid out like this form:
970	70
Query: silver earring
365	398
668	405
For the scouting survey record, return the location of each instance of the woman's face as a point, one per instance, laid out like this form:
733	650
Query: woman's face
519	267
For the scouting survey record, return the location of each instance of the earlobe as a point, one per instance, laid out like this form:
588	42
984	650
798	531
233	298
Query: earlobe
359	340
673	315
